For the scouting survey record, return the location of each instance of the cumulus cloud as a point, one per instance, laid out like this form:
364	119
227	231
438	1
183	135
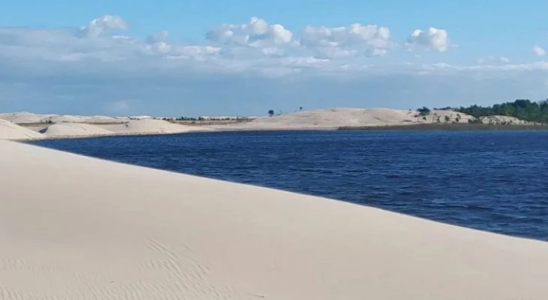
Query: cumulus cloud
97	26
93	65
539	51
256	33
433	38
336	42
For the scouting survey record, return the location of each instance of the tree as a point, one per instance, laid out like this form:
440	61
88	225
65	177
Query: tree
271	113
424	111
447	119
521	108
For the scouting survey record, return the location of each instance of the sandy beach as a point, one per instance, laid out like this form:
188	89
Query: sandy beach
74	227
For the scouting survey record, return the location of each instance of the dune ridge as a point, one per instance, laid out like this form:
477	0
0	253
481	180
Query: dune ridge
334	118
75	130
150	126
68	126
10	131
116	231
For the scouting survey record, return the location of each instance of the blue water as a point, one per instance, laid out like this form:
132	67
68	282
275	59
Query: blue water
495	181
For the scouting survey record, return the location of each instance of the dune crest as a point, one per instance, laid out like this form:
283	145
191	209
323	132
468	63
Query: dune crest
149	126
11	131
75	130
348	117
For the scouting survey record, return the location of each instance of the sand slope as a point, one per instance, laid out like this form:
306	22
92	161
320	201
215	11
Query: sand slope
126	232
10	131
75	130
503	120
149	126
23	117
27	117
348	117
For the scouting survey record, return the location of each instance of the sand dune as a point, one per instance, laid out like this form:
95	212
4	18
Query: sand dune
11	131
27	117
348	117
126	232
75	130
23	117
503	120
149	126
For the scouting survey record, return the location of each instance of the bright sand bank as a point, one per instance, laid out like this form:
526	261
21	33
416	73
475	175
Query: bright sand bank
73	227
10	131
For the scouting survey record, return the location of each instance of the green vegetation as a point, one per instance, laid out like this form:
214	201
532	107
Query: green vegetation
526	110
424	111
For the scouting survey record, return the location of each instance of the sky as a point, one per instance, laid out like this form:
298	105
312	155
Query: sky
216	58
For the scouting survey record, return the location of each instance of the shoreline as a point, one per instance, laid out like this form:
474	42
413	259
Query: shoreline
448	127
184	236
24	126
413	127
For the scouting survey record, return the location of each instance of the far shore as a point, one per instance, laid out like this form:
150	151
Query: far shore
29	126
449	127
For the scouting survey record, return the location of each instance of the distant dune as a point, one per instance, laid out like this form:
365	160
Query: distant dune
75	130
31	118
504	120
150	126
11	131
348	117
323	119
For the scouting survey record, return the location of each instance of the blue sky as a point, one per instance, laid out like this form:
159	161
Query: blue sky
245	57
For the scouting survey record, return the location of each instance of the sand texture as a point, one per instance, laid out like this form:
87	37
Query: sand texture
11	131
75	130
504	120
73	227
347	117
27	117
150	126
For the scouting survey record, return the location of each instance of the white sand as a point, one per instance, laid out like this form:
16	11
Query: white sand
102	119
24	117
150	126
347	117
452	116
504	120
67	126
75	130
11	131
79	228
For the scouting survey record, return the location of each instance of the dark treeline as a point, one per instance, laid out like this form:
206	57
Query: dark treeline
522	109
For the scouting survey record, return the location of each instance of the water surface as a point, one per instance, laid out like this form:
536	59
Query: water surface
495	181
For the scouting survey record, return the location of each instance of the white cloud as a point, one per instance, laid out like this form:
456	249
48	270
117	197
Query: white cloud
158	37
256	62
433	38
493	60
256	33
337	42
539	51
97	26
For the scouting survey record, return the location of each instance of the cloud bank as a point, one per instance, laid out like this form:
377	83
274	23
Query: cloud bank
243	68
